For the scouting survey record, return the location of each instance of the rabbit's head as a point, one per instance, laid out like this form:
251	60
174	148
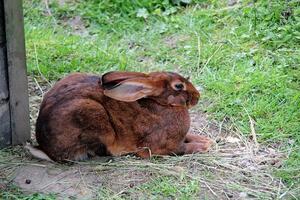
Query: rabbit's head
166	88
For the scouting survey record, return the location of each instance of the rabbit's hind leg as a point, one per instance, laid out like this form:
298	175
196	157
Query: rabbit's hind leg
80	156
95	129
85	152
78	153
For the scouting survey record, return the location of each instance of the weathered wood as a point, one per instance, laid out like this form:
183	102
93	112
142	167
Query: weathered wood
17	78
5	131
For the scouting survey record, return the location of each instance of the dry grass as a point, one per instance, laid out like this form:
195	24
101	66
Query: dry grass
236	167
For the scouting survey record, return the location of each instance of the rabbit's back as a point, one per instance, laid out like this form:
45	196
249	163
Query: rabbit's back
74	86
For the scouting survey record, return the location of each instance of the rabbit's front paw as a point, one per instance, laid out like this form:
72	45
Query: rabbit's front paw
193	138
197	144
196	148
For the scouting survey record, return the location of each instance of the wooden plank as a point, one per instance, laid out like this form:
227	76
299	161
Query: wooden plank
2	24
5	131
17	76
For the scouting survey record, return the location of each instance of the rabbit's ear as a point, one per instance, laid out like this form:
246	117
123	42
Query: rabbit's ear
110	79
133	89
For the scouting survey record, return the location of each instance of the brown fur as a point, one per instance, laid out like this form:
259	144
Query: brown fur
120	113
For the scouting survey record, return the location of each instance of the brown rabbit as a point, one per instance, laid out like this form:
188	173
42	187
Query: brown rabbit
119	113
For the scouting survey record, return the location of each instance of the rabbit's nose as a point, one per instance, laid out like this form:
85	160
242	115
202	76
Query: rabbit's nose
193	100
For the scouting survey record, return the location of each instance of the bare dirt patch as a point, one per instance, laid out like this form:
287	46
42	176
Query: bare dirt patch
82	181
173	40
236	168
77	25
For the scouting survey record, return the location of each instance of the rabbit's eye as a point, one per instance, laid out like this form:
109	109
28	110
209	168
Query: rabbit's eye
179	86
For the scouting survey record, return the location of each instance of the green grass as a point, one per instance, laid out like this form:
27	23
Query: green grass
158	188
14	194
170	188
246	58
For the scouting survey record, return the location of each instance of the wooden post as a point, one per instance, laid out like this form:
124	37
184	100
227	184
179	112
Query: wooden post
5	129
14	104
